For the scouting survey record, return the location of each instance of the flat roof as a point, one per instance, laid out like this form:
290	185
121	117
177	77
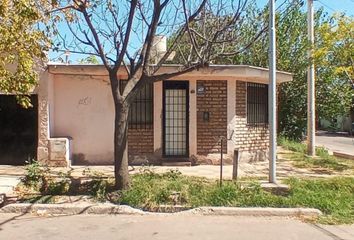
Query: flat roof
212	72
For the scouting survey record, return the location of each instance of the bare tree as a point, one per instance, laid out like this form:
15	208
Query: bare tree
111	29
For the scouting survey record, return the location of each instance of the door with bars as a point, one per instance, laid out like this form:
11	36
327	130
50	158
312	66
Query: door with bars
175	129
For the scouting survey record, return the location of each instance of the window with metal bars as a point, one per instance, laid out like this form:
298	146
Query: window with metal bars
141	110
257	104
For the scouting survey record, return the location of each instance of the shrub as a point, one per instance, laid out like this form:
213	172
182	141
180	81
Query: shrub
36	175
59	185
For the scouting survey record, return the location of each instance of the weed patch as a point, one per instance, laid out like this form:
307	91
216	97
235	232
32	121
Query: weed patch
149	190
334	197
322	160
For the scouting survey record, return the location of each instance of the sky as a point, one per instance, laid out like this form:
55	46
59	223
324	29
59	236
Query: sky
346	6
330	6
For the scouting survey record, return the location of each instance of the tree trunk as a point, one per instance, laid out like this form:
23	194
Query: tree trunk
121	172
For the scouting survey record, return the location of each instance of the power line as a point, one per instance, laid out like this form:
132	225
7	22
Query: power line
324	4
329	7
335	11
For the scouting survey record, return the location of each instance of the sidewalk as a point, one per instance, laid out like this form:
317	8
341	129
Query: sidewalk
255	170
7	183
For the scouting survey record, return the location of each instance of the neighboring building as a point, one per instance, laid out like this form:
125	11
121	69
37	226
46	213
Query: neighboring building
175	120
340	123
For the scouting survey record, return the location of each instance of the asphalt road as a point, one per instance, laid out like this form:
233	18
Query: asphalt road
96	227
336	142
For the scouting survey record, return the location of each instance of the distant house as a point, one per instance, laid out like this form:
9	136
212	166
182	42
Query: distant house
178	120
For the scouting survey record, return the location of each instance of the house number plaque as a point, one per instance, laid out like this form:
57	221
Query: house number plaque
200	89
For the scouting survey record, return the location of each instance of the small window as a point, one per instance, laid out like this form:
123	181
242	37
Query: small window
141	110
257	103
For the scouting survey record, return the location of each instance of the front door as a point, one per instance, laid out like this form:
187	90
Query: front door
175	118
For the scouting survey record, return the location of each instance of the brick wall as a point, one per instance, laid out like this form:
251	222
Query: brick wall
140	141
214	101
247	138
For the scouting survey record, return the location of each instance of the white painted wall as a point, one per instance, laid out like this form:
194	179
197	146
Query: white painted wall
84	111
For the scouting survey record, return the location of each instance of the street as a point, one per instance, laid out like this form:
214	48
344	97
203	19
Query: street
87	227
336	142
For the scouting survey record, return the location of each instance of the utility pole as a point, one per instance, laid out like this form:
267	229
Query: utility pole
310	83
272	95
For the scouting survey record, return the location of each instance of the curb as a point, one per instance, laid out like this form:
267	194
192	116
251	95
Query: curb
108	208
258	211
70	209
343	155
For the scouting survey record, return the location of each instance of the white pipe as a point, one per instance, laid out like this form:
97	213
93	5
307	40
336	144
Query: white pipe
272	94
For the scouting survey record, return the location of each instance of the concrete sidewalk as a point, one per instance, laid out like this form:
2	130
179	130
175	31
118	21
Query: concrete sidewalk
7	183
257	170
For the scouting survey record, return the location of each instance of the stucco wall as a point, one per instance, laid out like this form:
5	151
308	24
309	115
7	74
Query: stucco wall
83	110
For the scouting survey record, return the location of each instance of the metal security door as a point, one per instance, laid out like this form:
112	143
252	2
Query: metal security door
175	109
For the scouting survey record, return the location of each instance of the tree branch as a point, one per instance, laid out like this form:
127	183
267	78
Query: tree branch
133	5
82	8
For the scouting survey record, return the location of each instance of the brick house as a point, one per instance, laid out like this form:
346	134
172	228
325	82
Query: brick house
171	121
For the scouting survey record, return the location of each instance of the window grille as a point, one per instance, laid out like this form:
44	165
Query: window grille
141	110
257	103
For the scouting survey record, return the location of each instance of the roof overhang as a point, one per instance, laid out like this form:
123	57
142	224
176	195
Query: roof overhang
212	72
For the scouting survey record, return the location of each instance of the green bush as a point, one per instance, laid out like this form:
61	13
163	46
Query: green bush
36	175
99	188
38	178
59	185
